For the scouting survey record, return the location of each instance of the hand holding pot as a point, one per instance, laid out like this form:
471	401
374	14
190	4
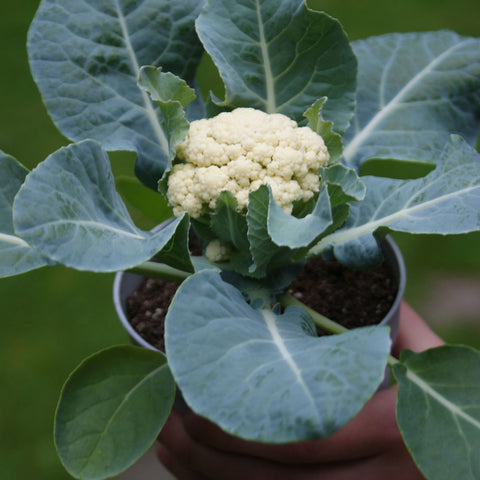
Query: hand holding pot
369	446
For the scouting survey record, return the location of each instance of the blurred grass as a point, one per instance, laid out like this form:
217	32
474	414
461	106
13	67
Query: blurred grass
53	318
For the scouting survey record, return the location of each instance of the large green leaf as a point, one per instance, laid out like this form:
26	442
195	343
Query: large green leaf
111	410
438	410
85	57
69	210
413	90
16	255
446	201
263	375
280	56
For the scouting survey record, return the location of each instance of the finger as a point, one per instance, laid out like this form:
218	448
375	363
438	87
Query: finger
372	431
190	460
414	333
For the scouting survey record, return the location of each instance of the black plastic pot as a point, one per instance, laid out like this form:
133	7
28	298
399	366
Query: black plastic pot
126	283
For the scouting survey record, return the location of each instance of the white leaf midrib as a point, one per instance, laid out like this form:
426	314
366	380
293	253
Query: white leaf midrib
94	225
361	137
454	409
344	236
14	240
269	80
118	409
150	112
270	322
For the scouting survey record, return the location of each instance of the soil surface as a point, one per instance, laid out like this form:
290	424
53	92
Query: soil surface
353	298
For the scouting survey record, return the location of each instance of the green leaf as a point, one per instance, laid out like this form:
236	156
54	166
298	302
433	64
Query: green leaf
111	410
85	57
172	95
151	204
413	90
344	185
280	56
16	255
176	251
266	376
262	248
287	231
438	410
228	223
316	122
164	87
69	210
446	201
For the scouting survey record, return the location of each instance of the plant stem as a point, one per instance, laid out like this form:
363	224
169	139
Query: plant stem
320	320
159	270
323	322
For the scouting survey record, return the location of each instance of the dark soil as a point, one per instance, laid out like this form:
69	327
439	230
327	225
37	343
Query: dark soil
353	298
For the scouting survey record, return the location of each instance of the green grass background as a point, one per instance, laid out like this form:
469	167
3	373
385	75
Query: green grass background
52	318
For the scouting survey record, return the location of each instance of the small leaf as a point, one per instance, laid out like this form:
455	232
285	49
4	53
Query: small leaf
69	210
85	57
414	89
279	56
446	201
176	251
288	231
16	255
111	410
438	410
172	95
262	249
316	122
265	376
344	185
228	223
165	87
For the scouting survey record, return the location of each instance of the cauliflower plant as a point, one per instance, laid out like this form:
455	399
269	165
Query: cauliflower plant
240	150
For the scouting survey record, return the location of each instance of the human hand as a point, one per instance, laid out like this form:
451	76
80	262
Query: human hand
369	447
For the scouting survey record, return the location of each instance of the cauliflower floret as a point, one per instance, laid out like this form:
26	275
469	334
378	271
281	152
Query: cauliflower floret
218	251
239	151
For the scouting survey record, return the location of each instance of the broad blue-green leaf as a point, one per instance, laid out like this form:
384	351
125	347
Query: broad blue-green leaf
280	56
413	90
332	140
267	376
438	410
111	410
85	57
151	204
446	201
16	255
69	210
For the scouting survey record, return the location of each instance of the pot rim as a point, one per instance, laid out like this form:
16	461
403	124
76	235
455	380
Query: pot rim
392	255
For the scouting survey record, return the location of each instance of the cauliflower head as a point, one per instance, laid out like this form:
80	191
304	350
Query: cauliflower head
239	151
